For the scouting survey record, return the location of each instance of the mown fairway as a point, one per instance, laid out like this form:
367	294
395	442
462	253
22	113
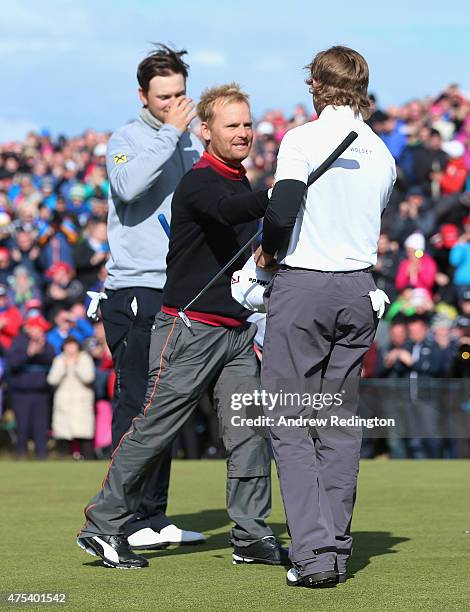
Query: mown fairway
410	554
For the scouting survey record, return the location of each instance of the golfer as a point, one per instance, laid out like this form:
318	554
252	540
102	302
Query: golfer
320	316
146	159
214	212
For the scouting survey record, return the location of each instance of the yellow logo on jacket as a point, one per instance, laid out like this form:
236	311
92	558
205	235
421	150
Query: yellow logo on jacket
120	158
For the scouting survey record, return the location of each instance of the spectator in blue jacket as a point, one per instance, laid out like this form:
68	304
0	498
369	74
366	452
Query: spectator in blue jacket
69	324
459	257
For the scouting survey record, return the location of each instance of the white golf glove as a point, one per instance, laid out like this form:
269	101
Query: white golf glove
379	298
92	312
249	284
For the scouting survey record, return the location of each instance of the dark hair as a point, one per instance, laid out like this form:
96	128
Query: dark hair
162	62
71	340
341	78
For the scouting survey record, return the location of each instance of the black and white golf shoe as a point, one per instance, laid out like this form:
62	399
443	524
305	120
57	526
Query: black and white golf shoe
114	550
312	581
267	551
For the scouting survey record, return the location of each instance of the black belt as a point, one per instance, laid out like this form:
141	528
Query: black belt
286	267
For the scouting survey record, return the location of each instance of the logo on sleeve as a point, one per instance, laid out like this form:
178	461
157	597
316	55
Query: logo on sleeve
120	158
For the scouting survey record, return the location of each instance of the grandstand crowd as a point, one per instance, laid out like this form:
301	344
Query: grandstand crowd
56	371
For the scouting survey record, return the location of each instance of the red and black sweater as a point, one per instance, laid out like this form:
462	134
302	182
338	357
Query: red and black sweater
213	213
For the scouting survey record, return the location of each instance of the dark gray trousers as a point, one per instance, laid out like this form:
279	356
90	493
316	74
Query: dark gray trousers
183	364
319	327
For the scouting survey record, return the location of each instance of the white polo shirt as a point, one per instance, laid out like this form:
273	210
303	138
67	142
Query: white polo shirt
338	224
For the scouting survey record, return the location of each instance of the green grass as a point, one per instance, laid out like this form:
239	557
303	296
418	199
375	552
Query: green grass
410	550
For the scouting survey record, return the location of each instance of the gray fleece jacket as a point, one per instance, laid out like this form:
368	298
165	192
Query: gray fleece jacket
144	167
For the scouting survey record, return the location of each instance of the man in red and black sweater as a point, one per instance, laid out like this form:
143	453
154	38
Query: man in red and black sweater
214	213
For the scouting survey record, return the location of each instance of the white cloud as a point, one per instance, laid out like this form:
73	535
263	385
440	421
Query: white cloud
16	130
208	57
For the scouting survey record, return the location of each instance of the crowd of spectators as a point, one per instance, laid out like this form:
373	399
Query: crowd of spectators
55	367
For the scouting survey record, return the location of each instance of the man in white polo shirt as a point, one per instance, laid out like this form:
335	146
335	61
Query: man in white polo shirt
321	319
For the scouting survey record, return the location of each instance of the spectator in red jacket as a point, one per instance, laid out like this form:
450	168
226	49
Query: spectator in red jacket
419	269
453	178
10	319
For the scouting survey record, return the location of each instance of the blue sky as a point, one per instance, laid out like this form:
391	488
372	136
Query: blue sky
70	65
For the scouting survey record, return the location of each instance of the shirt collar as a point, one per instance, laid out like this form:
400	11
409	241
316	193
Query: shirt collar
341	111
236	174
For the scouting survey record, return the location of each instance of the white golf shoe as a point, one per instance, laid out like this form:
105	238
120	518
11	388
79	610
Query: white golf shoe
148	539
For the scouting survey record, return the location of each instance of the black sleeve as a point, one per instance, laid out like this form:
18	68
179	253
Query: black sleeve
207	201
281	214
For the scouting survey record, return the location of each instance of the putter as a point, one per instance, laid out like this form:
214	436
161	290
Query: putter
316	174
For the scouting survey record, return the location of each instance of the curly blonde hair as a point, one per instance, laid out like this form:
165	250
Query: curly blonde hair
339	76
225	94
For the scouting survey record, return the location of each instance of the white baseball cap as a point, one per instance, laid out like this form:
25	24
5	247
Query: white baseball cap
415	241
249	284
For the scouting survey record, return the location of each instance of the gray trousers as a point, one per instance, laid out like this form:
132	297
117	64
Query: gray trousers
183	364
319	327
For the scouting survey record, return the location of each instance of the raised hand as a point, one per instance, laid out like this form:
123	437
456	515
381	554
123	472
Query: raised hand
181	113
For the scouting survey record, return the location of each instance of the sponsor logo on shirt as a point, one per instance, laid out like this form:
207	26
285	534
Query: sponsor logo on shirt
361	150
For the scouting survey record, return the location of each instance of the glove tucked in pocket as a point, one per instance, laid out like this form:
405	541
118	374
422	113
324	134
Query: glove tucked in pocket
378	299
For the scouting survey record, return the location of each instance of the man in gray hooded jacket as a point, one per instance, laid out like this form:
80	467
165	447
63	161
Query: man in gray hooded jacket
146	159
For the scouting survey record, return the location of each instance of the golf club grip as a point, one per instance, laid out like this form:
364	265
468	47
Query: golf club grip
341	148
164	224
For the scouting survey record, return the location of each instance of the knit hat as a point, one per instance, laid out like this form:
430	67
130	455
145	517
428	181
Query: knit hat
415	241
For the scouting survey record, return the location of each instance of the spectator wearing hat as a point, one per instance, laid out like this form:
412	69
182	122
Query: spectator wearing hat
29	359
441	244
78	205
73	416
452	180
63	290
419	269
459	258
10	319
